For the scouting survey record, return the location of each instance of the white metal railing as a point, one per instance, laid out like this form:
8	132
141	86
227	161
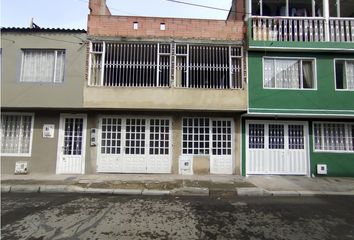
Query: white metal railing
341	29
302	29
114	64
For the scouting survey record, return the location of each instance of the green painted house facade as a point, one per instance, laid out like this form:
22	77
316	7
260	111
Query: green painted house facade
300	118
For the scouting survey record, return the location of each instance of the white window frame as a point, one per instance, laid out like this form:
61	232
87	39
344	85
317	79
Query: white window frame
334	73
210	133
292	58
123	132
53	80
346	129
31	135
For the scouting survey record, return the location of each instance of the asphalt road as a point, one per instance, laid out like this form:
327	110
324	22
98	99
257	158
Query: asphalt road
77	216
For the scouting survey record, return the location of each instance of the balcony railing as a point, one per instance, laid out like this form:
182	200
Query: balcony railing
117	64
302	29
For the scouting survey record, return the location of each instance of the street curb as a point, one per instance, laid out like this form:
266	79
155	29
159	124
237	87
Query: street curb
98	190
127	191
24	188
186	191
5	188
251	191
190	191
284	193
152	192
53	188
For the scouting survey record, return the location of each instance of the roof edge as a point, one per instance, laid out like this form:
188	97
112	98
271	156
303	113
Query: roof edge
19	29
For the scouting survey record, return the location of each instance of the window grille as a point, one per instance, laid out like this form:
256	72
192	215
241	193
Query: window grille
218	67
256	136
159	137
73	136
296	137
16	134
276	136
204	136
135	136
129	65
142	136
221	137
289	73
159	64
43	65
196	136
334	136
111	135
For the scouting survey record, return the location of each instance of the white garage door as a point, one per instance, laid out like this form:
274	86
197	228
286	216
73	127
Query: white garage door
134	145
276	148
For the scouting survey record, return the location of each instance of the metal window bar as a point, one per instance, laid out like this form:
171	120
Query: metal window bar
216	67
129	64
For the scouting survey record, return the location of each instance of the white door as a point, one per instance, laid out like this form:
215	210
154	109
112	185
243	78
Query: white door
276	148
221	147
71	146
134	145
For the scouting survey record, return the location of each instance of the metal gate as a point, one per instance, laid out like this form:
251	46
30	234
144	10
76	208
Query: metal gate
276	148
134	145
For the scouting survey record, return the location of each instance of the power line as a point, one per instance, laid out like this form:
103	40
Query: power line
199	5
205	6
58	40
53	39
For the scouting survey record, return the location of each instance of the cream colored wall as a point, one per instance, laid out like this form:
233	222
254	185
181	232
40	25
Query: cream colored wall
44	150
200	168
68	94
165	99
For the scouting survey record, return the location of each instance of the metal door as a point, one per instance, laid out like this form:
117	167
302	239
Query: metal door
221	147
276	148
72	142
134	145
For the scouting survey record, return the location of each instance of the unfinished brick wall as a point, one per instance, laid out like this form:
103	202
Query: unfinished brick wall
102	23
149	27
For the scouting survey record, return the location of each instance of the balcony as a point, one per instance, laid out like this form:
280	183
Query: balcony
302	29
165	65
163	75
298	24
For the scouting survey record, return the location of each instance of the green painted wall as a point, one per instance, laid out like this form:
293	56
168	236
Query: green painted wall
338	164
323	100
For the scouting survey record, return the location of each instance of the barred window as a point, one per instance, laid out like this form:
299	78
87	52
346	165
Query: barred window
333	136
16	134
111	135
196	136
256	136
204	136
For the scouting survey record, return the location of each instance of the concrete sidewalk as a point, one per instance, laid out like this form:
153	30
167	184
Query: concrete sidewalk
179	185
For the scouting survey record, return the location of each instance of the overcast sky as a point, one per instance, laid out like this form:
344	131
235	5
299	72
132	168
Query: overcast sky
73	13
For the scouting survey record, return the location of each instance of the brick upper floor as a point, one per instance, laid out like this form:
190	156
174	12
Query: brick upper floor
102	23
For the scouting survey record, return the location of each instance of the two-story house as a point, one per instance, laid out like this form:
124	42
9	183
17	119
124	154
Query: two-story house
164	95
300	117
42	77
